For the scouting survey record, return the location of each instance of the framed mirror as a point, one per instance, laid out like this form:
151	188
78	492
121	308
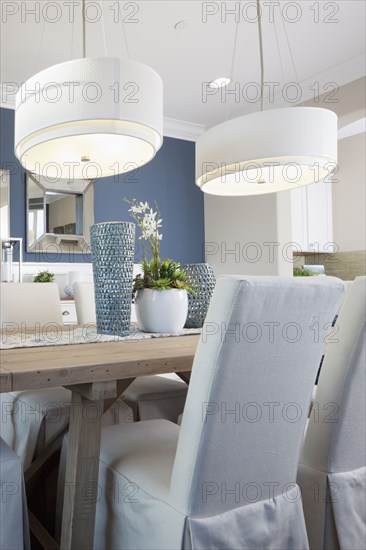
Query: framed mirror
59	215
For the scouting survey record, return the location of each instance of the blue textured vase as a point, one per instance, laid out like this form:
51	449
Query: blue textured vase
113	250
202	278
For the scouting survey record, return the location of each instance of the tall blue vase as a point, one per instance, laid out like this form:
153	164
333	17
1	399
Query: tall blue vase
113	250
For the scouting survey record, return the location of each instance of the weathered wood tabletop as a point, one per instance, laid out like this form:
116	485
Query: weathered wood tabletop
47	367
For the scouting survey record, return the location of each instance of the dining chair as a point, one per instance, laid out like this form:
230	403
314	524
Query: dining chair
30	304
332	468
14	528
149	397
227	477
32	420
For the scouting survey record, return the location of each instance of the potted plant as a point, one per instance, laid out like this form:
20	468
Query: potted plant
44	277
160	292
302	272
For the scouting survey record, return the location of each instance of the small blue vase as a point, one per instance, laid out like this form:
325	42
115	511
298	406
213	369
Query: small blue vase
202	278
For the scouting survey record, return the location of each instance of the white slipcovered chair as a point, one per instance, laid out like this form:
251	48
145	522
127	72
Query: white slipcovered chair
227	477
332	469
149	397
14	529
31	420
30	304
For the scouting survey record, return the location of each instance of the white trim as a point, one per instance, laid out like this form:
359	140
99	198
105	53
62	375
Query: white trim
339	75
10	103
7	106
357	127
66	273
180	129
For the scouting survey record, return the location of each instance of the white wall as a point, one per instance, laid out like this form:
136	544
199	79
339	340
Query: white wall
348	194
349	198
66	274
348	102
249	235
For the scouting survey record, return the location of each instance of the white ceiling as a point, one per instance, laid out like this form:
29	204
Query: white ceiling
331	50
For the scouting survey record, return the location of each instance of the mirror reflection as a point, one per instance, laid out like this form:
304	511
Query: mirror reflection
59	215
4	205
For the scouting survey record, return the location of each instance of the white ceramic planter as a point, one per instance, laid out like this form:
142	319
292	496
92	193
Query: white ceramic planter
161	310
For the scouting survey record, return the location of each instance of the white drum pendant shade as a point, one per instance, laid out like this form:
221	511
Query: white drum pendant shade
268	151
89	118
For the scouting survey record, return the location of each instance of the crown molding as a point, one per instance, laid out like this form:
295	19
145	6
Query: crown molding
338	75
180	129
173	128
6	101
353	129
327	81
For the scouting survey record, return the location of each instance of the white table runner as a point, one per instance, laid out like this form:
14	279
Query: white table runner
53	335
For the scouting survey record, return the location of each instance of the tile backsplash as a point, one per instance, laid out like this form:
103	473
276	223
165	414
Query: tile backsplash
345	265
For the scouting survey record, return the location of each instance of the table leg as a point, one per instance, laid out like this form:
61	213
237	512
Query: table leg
122	385
185	376
82	465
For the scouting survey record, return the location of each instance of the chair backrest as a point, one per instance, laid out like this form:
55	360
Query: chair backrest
14	531
30	303
332	465
336	435
250	391
84	303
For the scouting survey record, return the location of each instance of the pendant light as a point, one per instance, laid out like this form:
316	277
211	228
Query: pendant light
89	118
267	151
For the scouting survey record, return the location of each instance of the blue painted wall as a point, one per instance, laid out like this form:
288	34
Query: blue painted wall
168	179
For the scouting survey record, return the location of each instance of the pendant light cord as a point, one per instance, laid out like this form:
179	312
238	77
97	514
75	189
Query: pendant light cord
231	75
291	55
40	46
72	42
290	50
103	29
124	32
279	51
83	29
261	52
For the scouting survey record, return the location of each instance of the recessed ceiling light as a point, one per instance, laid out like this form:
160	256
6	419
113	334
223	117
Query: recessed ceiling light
181	25
220	82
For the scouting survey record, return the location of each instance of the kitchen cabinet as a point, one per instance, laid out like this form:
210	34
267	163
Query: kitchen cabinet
69	312
312	223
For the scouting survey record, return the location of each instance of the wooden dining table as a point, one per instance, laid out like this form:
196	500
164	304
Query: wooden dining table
96	373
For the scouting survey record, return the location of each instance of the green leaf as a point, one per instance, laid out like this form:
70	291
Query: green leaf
301	272
44	277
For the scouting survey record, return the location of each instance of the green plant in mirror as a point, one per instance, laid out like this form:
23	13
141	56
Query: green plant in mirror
156	274
301	272
44	277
